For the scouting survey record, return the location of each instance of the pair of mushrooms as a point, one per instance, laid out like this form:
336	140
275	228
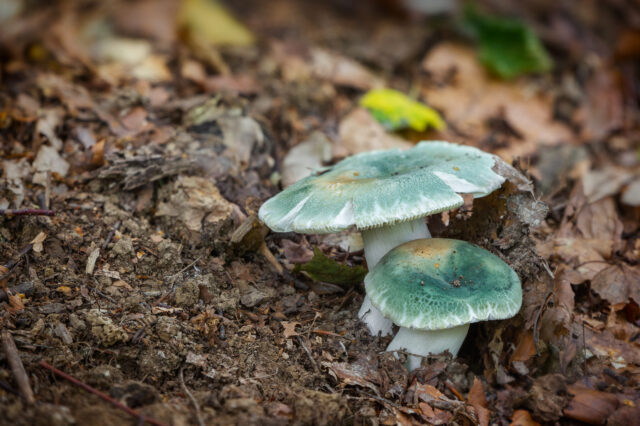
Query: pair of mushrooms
432	288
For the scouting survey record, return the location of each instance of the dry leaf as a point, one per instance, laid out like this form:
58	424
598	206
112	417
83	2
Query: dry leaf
289	328
618	284
590	406
37	242
522	418
363	372
473	97
360	132
478	401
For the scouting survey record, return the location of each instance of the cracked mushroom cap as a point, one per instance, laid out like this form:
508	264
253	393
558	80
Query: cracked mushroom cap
379	188
438	283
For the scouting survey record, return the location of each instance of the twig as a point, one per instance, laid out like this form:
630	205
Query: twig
102	395
264	250
538	316
313	361
186	390
111	234
10	265
27	212
17	368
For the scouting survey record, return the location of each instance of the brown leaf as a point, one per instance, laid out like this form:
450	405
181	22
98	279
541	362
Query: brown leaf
15	303
618	283
526	348
471	98
478	401
363	372
590	406
546	398
604	110
522	418
296	253
360	132
289	328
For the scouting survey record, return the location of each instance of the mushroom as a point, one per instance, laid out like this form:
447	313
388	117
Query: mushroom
386	195
434	288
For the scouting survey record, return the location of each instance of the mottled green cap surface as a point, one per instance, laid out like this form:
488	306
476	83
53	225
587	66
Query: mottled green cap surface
437	283
383	187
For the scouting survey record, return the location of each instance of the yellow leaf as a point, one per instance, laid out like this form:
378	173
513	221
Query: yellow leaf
208	21
396	111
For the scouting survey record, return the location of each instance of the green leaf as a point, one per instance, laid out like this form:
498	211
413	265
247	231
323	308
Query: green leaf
507	47
323	268
395	111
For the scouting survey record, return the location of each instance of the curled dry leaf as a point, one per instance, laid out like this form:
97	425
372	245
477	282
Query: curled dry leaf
590	406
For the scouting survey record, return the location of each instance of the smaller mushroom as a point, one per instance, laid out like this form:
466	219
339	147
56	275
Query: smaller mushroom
434	288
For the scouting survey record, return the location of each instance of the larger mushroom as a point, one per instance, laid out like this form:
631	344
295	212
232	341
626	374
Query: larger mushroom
434	288
386	195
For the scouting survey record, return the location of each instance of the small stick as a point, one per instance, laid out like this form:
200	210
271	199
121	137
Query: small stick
17	368
27	212
196	406
102	395
111	234
313	361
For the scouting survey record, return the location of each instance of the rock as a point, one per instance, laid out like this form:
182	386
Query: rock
256	297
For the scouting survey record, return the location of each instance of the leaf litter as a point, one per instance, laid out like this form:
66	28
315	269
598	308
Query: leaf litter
155	139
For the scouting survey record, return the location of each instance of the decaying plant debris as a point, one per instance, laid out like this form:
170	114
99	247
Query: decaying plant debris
136	151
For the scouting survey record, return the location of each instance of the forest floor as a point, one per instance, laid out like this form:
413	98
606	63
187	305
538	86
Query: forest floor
148	146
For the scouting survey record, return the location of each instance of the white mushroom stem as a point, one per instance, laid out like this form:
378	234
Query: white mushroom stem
425	342
377	242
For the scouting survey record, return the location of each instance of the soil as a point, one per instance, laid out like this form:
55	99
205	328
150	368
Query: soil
155	284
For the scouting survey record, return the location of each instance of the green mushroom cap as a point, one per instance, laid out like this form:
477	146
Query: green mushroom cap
378	188
437	283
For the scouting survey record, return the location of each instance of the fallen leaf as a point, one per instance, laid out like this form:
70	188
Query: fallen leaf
590	405
64	289
472	98
618	284
507	47
209	21
305	157
296	253
603	183
395	111
15	303
289	328
323	268
522	418
360	132
121	283
631	194
37	242
363	372
342	71
48	160
478	401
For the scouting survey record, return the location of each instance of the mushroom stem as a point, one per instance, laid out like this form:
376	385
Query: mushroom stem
377	242
425	342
